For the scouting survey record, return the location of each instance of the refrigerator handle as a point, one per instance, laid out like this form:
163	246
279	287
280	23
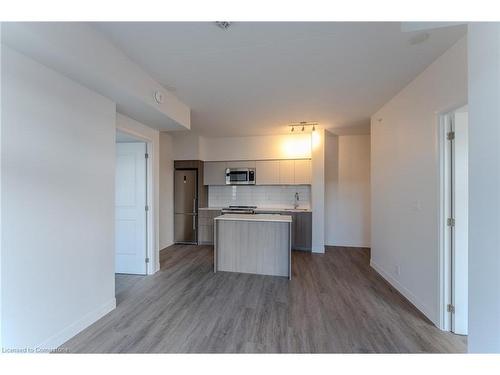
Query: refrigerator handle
194	206
194	222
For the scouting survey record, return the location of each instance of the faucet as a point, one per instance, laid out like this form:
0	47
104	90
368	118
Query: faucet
296	202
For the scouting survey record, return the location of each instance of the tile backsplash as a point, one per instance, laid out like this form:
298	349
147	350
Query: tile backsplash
263	196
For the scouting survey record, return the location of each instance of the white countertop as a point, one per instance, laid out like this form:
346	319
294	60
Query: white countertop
256	217
263	209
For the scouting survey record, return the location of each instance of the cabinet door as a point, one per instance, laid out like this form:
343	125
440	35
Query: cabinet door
206	228
302	231
241	164
287	172
214	173
267	172
206	234
302	172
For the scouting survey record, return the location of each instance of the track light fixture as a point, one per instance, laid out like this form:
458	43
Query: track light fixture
303	125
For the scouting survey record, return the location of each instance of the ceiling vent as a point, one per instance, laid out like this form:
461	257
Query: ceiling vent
224	25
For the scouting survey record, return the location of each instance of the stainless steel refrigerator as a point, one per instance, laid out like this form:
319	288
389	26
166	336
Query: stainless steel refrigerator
185	206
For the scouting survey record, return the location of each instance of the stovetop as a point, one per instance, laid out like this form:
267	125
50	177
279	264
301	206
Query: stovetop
239	209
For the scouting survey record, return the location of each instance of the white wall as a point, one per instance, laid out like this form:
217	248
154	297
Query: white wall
331	185
1	241
152	137
287	146
192	146
58	197
166	190
484	187
318	190
404	179
347	190
186	146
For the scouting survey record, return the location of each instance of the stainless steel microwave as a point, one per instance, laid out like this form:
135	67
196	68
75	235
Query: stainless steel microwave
240	176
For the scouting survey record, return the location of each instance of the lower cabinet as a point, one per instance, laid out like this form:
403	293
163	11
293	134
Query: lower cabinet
206	226
302	231
301	228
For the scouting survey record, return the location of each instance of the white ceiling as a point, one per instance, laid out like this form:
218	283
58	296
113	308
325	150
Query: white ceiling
256	77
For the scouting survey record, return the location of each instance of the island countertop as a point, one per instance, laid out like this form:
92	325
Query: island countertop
256	217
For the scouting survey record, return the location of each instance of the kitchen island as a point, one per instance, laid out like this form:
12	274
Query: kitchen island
259	244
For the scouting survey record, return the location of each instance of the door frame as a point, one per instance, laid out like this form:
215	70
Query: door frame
150	213
444	258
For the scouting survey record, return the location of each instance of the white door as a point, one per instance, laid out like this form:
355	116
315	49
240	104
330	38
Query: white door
460	198
130	208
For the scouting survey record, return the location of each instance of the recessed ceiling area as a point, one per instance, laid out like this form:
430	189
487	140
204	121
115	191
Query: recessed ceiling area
254	78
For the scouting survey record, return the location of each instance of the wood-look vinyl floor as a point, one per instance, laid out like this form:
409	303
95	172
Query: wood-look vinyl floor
335	303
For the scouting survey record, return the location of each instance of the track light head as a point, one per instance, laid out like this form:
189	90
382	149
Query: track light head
302	125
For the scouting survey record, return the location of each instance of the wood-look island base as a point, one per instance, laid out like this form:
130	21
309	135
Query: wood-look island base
259	244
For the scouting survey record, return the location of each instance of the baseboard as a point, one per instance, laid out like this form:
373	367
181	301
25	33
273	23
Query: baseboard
318	249
405	292
73	329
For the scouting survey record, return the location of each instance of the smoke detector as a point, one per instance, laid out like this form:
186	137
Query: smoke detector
224	25
158	96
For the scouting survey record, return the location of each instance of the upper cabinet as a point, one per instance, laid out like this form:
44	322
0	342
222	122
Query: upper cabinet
303	172
267	172
241	164
214	173
287	172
